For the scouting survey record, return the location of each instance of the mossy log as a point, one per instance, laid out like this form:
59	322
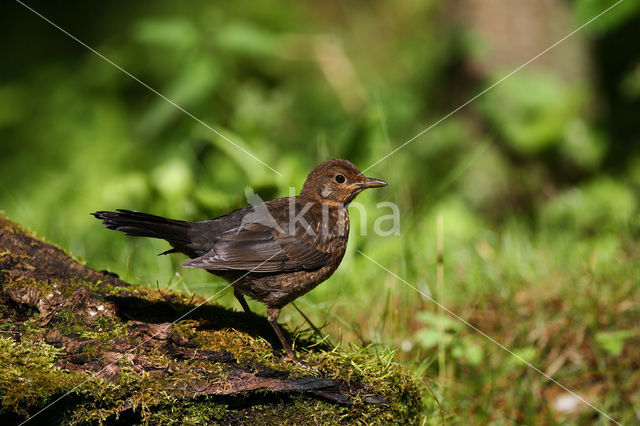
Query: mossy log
81	346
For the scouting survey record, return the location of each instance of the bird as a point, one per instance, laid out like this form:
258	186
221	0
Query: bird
273	251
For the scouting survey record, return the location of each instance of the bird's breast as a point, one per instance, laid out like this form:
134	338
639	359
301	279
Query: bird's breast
334	223
325	226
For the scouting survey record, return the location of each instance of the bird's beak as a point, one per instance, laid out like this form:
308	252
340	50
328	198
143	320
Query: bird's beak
373	183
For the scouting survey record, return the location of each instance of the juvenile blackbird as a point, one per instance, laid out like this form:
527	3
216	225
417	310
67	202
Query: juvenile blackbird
273	251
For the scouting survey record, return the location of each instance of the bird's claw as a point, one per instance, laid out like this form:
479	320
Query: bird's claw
305	365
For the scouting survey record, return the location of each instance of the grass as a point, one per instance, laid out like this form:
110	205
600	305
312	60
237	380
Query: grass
546	295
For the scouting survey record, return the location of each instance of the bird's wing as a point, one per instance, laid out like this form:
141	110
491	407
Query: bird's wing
259	248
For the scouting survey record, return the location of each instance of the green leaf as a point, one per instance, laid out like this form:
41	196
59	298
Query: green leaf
612	342
468	351
585	10
169	32
526	354
429	338
173	178
442	321
247	38
531	110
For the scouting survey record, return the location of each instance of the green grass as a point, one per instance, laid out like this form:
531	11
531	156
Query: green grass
566	304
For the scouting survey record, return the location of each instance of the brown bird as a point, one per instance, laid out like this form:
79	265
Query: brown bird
272	251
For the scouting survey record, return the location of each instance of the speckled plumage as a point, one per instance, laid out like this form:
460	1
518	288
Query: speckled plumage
276	289
274	251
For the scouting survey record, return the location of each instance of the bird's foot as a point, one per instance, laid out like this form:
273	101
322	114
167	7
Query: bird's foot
302	364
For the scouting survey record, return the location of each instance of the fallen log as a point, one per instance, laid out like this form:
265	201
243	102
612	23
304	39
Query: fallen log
82	346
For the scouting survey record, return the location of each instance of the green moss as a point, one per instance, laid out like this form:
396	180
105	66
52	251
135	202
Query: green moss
249	351
146	383
379	374
68	323
106	328
300	410
201	413
13	227
28	375
30	330
155	398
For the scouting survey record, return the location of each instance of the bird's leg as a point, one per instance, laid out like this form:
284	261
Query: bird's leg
272	316
243	302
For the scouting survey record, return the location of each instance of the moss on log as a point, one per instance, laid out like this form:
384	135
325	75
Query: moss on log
81	346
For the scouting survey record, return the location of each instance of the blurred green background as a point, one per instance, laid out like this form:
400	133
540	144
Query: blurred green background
536	182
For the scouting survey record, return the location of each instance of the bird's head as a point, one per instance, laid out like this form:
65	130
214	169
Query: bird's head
336	182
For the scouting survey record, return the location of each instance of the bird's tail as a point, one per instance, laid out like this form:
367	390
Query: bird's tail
176	232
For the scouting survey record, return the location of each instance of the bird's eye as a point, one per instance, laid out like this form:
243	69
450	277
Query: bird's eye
340	179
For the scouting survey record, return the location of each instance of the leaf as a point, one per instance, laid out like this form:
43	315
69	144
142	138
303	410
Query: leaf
584	10
612	342
444	321
246	38
526	354
429	338
531	110
173	178
169	32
